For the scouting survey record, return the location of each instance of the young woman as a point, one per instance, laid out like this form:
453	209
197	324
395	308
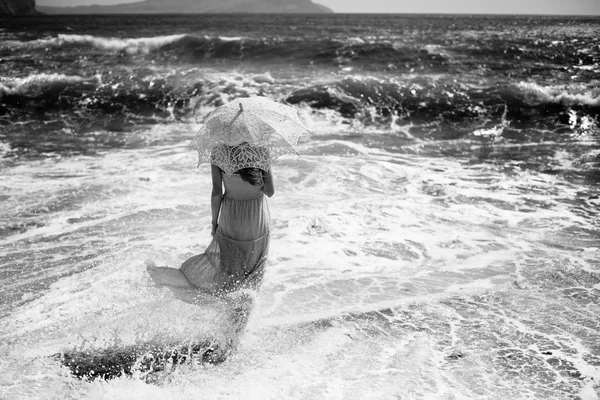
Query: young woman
237	255
241	222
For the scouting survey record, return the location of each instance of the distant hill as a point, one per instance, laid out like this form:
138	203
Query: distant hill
195	7
17	7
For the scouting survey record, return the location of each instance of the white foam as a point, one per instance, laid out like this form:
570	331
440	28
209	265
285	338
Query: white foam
130	45
229	38
36	83
354	231
559	94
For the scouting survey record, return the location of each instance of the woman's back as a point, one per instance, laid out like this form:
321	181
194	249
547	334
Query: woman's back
238	189
244	212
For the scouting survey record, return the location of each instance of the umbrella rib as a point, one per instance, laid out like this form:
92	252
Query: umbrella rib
238	115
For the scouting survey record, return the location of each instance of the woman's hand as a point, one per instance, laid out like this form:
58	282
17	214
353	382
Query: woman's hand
216	196
268	186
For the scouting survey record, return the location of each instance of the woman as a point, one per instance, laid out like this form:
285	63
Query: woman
236	257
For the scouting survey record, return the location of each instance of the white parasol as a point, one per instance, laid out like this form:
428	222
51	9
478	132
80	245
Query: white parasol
248	132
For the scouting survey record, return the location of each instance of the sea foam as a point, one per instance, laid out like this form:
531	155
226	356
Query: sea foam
564	95
37	83
130	45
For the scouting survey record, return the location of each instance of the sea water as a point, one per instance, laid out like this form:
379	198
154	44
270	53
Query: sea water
436	238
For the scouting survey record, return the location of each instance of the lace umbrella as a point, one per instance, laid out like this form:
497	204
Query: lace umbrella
248	132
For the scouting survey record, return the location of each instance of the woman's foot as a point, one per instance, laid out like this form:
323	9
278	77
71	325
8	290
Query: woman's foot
167	276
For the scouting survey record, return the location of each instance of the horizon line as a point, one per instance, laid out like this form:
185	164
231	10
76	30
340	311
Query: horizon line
324	13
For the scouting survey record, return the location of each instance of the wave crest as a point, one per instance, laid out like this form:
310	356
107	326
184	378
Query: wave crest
37	84
419	103
129	45
535	94
192	48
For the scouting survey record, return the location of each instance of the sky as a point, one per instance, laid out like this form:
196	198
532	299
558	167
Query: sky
579	7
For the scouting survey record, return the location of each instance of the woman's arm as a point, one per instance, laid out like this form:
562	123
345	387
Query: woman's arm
216	196
268	186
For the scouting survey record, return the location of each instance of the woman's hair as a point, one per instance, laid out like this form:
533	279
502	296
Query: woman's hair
253	176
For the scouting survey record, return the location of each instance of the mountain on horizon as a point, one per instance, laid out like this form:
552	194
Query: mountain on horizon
195	7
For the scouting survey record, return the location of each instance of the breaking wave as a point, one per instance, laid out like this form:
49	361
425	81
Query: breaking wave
401	53
194	49
38	84
435	104
456	107
130	45
569	96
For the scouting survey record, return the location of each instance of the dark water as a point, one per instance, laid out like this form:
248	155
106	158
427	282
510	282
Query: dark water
430	77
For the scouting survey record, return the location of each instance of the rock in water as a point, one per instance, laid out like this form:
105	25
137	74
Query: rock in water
144	358
17	7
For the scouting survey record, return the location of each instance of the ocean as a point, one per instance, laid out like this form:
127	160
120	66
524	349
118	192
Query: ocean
437	237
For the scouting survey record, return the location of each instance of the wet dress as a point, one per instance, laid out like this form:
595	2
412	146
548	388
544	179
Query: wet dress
237	255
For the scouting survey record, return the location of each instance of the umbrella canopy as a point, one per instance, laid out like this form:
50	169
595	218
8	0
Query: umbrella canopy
248	132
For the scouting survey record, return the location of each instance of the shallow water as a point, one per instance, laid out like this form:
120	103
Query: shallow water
390	275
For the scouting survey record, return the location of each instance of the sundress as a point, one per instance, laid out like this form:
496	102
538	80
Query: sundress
237	255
